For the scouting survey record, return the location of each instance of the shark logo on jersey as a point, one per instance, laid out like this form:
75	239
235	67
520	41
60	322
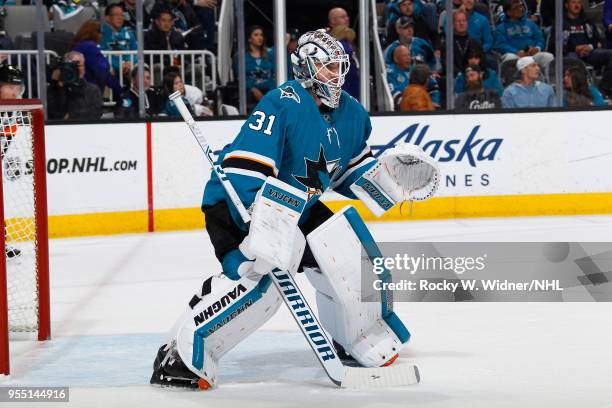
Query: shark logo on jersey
289	92
319	174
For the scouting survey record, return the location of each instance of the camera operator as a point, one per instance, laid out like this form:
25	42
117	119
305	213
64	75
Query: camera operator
127	106
69	95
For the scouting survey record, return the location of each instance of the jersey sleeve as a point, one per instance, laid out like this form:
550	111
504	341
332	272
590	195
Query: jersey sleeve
361	161
392	81
257	150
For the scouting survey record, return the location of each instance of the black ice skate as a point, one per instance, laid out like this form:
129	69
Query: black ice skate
345	357
11	252
350	361
170	371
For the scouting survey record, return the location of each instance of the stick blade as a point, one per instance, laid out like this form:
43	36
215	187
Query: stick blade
397	375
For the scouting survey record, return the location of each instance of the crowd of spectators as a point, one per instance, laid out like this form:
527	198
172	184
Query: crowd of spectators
503	53
83	83
260	59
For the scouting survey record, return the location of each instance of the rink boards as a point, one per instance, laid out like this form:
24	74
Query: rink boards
136	177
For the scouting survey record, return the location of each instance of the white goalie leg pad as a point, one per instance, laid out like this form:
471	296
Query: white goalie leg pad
369	331
224	313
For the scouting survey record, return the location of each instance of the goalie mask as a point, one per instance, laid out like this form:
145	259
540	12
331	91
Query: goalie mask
320	62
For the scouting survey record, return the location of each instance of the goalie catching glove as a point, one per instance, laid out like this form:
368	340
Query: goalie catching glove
402	173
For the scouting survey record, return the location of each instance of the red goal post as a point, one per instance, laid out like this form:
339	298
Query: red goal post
24	248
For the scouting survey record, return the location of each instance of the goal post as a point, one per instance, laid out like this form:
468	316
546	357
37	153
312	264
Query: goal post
24	250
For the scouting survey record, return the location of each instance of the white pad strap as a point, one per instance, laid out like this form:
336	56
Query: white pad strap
403	173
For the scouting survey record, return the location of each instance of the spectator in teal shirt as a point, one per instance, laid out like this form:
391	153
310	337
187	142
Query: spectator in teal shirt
478	26
398	76
259	64
116	37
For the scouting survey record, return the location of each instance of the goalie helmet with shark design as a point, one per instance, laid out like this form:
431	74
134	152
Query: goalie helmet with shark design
320	62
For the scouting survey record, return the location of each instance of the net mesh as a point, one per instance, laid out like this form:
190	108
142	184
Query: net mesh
16	138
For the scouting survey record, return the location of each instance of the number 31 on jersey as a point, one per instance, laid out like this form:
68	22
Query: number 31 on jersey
259	122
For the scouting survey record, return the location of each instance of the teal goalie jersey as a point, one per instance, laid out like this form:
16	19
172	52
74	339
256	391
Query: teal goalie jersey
288	137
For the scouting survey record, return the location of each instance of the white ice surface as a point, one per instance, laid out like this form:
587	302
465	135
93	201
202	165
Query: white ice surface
113	298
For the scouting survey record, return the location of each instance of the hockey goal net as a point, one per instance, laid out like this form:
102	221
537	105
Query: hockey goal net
24	255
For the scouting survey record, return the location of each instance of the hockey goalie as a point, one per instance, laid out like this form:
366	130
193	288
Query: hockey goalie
306	136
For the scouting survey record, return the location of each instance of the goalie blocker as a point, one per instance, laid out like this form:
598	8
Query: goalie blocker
232	305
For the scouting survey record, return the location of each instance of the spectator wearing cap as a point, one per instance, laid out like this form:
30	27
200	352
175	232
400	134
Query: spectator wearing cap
529	91
420	48
416	96
476	95
490	80
517	36
422	28
398	76
116	37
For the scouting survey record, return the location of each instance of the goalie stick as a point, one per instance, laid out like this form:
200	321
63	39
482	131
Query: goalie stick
339	374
